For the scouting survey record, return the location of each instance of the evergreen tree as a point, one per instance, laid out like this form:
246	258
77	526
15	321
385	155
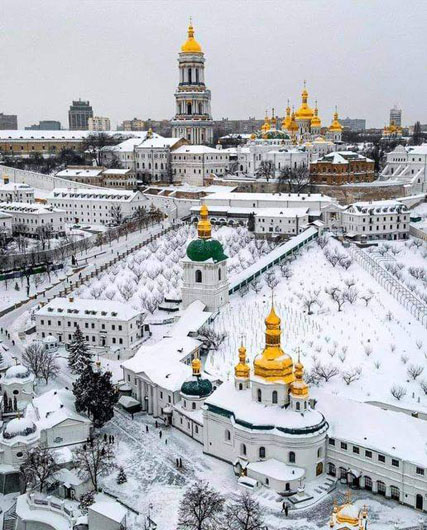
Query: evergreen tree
79	356
251	222
95	395
121	477
417	136
86	500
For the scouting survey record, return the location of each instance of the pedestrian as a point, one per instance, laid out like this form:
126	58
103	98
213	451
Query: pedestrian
166	441
146	428
180	462
156	424
286	509
283	506
160	434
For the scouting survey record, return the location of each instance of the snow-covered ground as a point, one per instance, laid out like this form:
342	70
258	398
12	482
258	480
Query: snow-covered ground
380	339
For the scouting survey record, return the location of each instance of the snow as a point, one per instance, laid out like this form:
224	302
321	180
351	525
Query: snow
18	374
68	477
54	407
392	433
99	309
110	509
27	207
61	134
196	149
190	320
116	171
254	197
17	427
79	172
277	470
127	401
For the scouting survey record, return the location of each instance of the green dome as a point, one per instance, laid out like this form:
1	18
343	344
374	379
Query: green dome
197	387
204	249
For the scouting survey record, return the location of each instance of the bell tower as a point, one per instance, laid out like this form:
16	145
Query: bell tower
193	119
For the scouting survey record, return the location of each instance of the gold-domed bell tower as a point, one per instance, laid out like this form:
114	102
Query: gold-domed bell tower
299	388
316	124
204	228
335	129
287	120
293	128
273	371
242	371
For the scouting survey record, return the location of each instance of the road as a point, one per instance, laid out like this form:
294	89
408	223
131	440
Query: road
94	258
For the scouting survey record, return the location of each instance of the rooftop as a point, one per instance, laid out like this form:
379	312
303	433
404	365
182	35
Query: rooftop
274	197
82	307
90	194
74	172
26	207
196	149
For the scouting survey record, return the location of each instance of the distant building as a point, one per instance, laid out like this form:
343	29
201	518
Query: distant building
99	176
342	167
35	220
132	125
354	124
396	116
79	114
99	123
45	125
8	122
192	164
15	192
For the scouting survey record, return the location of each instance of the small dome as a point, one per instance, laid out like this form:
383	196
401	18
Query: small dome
18	372
204	249
197	387
191	45
19	427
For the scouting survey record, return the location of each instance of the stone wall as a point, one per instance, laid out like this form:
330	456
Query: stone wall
350	194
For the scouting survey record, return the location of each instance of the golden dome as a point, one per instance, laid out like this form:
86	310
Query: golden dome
242	369
315	120
304	112
273	364
299	387
293	126
196	365
191	45
335	125
287	120
204	228
253	136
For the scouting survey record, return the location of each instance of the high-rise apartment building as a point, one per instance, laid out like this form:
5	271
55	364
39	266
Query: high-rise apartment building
133	125
45	125
79	114
99	123
354	124
396	116
8	122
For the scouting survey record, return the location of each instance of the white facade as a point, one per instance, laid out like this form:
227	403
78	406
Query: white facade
6	224
153	158
15	192
17	387
104	324
95	206
35	220
407	166
276	221
193	119
191	164
376	220
99	123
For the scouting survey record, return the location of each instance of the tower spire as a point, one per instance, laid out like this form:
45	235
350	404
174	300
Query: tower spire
204	228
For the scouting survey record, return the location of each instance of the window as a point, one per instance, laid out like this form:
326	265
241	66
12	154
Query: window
331	441
291	457
243	449
198	276
262	452
356	450
368	454
394	462
219	274
227	435
193	406
419	471
344	446
274	396
19	454
381	458
332	469
298	405
319	452
259	395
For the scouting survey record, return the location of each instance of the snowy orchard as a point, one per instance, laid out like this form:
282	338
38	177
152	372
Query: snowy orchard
154	273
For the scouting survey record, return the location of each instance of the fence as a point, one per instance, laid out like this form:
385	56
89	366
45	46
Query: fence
402	294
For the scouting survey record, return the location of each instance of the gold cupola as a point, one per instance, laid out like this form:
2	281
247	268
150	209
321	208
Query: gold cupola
315	120
273	364
191	45
335	125
204	228
287	120
265	127
304	112
241	369
299	387
196	366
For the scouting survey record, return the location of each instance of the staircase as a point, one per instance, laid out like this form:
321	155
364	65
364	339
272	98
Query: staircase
10	518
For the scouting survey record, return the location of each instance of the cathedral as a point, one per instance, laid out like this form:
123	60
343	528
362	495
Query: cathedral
193	119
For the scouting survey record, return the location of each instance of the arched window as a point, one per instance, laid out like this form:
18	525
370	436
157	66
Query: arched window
227	435
395	493
198	276
243	449
274	396
291	457
188	108
267	481
262	452
287	487
219	274
240	386
259	395
368	483
200	108
297	404
381	487
319	452
193	406
189	75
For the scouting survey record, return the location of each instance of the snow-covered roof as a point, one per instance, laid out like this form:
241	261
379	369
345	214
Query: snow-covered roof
248	412
54	407
418	150
274	197
277	470
342	157
21	427
15	186
87	308
158	142
388	432
27	207
61	134
4	215
191	320
109	509
18	373
91	194
377	207
196	149
116	171
80	172
281	212
68	477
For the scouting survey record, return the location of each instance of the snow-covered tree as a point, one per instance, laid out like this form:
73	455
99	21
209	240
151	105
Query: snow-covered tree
38	466
94	459
121	477
212	339
32	357
243	513
95	395
79	356
398	392
201	508
86	500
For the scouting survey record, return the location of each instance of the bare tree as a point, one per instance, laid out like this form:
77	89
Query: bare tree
212	339
351	294
201	508
116	215
294	179
49	367
322	241
310	299
367	297
286	271
271	279
94	459
127	290
256	286
351	375
33	358
38	466
415	370
265	170
337	296
398	392
243	513
423	385
325	372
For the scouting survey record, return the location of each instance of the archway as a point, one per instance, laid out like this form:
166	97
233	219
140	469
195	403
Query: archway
319	469
419	502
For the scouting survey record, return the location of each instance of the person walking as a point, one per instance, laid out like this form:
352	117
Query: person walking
286	509
160	434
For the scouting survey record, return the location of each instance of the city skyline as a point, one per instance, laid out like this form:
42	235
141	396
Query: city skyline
123	58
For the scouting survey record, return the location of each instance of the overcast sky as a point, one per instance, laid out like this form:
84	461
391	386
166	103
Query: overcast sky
363	56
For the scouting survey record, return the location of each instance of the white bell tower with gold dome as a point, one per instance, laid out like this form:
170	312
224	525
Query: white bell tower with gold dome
193	119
